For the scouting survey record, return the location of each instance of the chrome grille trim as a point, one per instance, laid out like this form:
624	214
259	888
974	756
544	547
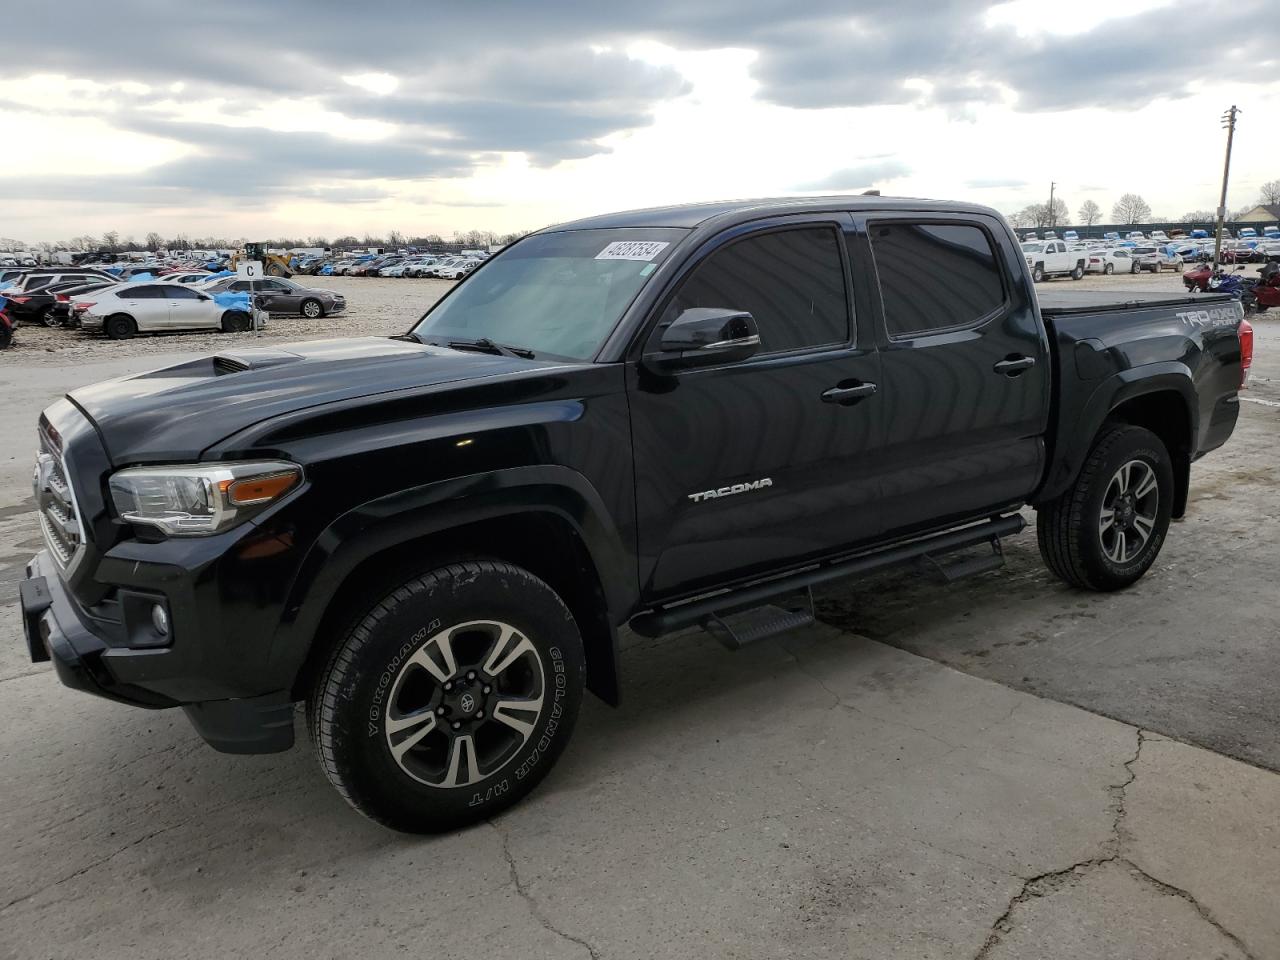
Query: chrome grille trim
59	518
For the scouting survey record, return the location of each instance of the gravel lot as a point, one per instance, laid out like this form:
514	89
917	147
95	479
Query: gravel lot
377	306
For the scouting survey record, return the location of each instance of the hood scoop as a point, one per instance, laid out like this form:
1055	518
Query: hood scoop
255	359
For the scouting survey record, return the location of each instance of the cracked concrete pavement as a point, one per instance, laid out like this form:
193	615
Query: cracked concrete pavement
819	795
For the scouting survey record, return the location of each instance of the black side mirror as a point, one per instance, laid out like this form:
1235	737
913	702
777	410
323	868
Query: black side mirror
704	336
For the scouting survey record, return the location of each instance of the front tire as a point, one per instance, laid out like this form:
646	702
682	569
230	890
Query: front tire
451	698
1109	269
312	309
1106	530
1037	274
236	321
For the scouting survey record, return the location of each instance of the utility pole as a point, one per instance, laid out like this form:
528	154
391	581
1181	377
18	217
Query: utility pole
1228	121
1052	220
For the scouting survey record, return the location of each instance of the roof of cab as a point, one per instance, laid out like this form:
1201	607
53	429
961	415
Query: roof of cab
690	215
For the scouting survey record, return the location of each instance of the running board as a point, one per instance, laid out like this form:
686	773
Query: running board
968	567
702	609
737	629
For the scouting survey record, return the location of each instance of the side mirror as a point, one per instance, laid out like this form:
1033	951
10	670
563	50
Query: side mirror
705	336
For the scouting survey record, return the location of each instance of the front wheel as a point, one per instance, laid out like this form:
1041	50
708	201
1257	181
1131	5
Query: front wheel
1109	269
1106	530
451	698
1037	274
236	321
312	309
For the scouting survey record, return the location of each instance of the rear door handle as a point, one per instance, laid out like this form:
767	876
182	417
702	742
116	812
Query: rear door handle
848	395
1012	366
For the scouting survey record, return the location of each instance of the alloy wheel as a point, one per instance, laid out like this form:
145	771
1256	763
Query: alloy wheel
1130	507
465	703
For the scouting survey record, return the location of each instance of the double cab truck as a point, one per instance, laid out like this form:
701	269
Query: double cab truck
664	419
1051	258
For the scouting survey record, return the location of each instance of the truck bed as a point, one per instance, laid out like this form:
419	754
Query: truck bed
1061	302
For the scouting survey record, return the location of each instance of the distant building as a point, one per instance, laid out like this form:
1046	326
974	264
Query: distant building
1264	213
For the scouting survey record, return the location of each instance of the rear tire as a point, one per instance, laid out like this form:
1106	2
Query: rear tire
120	326
1106	530
412	719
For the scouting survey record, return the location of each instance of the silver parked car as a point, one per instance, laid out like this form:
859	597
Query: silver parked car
280	296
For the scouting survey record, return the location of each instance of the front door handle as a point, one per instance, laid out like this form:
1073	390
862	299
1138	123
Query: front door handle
1012	366
848	395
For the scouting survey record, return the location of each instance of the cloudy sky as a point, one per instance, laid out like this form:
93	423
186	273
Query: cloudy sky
269	118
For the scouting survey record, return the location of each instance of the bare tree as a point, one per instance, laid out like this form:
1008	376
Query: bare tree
1090	213
1131	208
1270	192
1198	216
111	241
153	241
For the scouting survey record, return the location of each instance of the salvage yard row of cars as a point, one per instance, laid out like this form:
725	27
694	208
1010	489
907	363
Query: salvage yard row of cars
1069	256
95	300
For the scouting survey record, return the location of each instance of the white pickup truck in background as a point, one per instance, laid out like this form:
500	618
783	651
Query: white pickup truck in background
1051	258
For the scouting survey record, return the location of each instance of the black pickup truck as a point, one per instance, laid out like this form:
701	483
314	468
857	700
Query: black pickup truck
665	418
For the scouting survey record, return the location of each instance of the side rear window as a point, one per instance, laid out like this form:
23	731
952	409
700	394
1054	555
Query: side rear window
140	293
935	276
791	281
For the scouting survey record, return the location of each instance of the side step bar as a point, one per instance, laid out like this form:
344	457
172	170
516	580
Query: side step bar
691	612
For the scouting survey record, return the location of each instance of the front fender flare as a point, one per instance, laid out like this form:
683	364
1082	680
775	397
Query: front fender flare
404	516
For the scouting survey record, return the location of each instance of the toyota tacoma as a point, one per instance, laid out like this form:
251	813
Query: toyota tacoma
661	419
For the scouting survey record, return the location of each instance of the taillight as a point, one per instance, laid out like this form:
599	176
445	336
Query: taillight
19	299
61	297
1246	352
83	305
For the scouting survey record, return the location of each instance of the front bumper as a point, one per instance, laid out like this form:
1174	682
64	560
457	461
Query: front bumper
87	657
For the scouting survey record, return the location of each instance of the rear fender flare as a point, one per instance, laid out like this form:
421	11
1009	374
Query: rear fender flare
1165	377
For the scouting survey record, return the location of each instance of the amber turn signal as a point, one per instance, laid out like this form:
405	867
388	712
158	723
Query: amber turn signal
253	490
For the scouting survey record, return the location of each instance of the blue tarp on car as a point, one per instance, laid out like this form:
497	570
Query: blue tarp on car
140	276
229	300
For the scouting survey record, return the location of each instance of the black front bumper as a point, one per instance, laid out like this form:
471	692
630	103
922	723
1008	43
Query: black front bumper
57	630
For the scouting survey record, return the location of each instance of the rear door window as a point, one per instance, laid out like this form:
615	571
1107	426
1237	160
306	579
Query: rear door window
935	276
791	281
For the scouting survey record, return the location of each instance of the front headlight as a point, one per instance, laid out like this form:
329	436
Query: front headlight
199	499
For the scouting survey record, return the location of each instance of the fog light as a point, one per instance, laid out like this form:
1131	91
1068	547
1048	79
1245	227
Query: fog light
160	619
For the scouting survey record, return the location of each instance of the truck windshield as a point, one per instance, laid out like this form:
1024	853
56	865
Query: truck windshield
553	293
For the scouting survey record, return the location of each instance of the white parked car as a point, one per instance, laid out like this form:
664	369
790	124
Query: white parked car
1115	260
130	308
457	271
1051	258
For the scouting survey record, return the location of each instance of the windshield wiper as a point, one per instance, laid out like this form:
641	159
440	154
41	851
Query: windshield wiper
485	345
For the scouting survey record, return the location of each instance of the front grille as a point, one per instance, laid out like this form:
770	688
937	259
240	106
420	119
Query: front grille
59	518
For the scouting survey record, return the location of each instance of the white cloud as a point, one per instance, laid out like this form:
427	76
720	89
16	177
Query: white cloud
379	83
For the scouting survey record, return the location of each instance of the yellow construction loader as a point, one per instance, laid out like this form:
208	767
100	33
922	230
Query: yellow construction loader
273	264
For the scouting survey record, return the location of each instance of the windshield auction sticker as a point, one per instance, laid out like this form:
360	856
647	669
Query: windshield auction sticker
632	250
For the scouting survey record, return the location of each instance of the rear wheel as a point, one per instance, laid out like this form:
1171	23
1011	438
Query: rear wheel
451	698
236	321
1106	530
312	309
120	326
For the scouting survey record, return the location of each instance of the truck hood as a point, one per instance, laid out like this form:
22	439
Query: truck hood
174	413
